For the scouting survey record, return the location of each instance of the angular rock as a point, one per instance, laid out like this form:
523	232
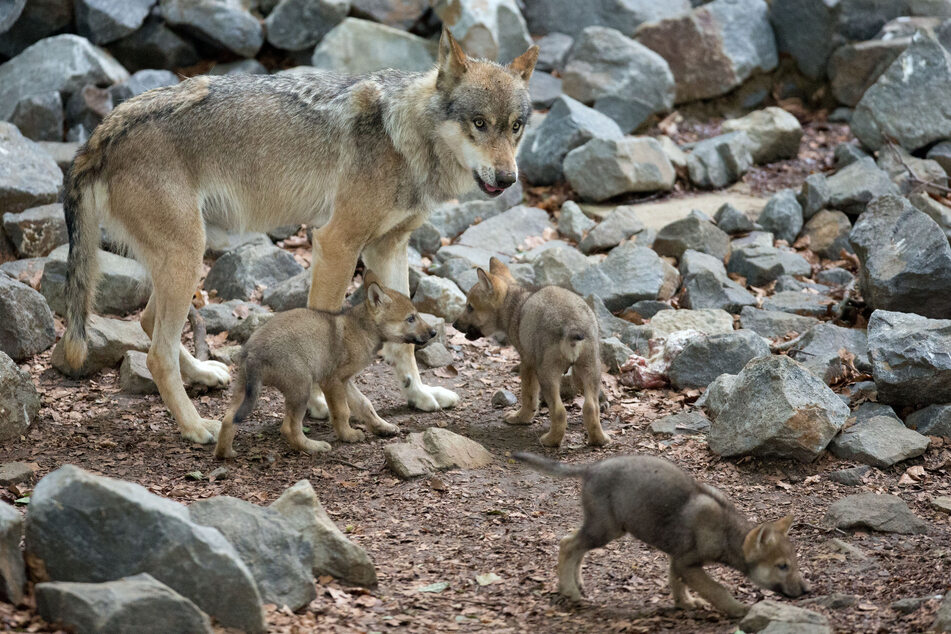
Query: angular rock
629	273
439	296
432	450
154	45
938	212
435	355
295	25
139	603
689	423
706	321
37	231
828	233
853	476
15	473
503	398
614	353
572	223
908	356
359	46
774	134
568	16
846	154
140	82
898	162
720	160
237	273
776	407
934	420
225	24
26	327
706	290
774	616
552	50
124	285
278	556
494	29
12	573
64	63
67	539
543	89
134	375
835	276
103	21
333	553
38	19
874	435
705	358
692	233
800	303
761	265
603	168
556	267
506	232
225	316
402	14
715	398
822	346
850	189
774	324
39	117
28	175
705	50
109	339
631	335
877	512
856	66
618	76
782	216
894	277
291	293
692	262
86	108
732	220
569	124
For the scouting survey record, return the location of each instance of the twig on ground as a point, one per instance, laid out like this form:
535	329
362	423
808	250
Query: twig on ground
911	172
198	334
786	345
824	529
348	464
839	309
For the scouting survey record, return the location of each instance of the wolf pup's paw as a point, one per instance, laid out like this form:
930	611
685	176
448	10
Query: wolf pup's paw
737	610
599	439
383	428
515	418
315	447
551	440
687	603
351	435
430	398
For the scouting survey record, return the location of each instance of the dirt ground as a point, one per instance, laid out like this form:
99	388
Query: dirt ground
503	519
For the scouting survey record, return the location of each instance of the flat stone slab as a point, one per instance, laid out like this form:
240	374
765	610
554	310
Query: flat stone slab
878	512
435	449
689	423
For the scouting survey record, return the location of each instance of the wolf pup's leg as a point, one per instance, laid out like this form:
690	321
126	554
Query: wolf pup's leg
588	369
292	429
678	589
336	393
362	410
549	378
717	595
529	380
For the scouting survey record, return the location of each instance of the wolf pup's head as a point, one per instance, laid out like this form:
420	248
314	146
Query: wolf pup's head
394	314
771	558
481	316
487	109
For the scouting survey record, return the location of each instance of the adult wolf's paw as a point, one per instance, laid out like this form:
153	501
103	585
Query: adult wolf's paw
206	432
210	373
317	405
515	417
350	435
430	398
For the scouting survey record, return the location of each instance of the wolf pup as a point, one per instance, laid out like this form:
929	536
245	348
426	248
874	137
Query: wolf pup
302	348
553	330
363	159
694	523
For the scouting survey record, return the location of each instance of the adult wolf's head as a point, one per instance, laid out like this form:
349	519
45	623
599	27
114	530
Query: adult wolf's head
487	109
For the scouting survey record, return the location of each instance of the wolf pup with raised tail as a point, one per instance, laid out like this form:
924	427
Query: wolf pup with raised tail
363	159
553	330
302	348
694	523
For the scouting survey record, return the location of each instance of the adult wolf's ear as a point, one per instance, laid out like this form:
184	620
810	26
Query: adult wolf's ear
524	64
453	62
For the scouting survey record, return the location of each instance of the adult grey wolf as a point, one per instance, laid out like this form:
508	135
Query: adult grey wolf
362	158
694	523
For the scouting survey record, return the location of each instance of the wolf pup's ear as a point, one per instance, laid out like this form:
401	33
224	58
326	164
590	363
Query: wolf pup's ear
453	62
376	296
485	280
783	525
524	64
497	267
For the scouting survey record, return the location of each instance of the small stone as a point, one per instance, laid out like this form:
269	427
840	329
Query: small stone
690	423
705	289
12	573
27	327
109	339
877	512
773	132
617	226
934	420
782	216
556	266
503	398
692	233
907	606
439	296
942	504
732	220
719	161
36	232
853	476
543	89
835	277
876	436
295	25
604	168
226	24
799	303
134	375
40	117
434	355
629	273
28	176
760	265
552	50
572	222
15	473
773	324
766	615
706	321
647	308
909	361
507	232
432	450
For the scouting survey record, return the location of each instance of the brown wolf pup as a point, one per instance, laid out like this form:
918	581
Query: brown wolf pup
362	159
302	348
553	330
694	523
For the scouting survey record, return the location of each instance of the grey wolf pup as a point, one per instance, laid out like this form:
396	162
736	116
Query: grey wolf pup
302	348
694	523
363	159
553	330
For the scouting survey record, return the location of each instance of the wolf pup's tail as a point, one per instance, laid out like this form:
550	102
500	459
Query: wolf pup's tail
551	467
82	265
252	390
571	340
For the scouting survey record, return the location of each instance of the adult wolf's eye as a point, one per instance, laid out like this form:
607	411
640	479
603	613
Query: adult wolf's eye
479	123
516	126
411	319
784	567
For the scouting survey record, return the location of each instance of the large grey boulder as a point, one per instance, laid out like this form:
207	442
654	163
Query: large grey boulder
828	233
104	21
237	273
568	125
782	216
508	231
762	264
615	228
277	554
225	24
603	168
571	17
432	450
552	50
822	347
39	117
934	420
139	603
492	29
777	408
720	160
295	25
715	47
439	296
909	358
37	231
108	341
333	553
556	266
360	46
12	572
855	66
88	528
774	324
629	273
705	358
692	233
893	276
28	175
124	284
774	134
903	102
874	435
36	20
26	323
618	76
154	45
64	63
878	512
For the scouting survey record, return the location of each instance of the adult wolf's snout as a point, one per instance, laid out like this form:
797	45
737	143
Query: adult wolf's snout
505	178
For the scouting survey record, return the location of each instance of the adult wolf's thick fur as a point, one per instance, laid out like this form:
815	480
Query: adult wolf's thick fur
364	159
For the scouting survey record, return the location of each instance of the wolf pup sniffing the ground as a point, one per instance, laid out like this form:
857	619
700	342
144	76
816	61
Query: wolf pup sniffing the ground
694	523
364	159
553	330
302	348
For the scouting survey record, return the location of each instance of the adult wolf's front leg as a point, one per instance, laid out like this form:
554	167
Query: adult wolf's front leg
387	258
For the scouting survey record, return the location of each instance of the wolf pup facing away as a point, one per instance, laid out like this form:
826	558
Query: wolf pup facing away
302	348
553	329
694	523
364	159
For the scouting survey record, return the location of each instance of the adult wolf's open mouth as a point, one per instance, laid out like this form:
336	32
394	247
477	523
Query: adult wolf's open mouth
491	190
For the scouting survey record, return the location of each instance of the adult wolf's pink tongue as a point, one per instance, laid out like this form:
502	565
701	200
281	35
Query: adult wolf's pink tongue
492	188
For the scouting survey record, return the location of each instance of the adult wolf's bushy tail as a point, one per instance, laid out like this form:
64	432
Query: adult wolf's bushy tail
82	265
551	467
